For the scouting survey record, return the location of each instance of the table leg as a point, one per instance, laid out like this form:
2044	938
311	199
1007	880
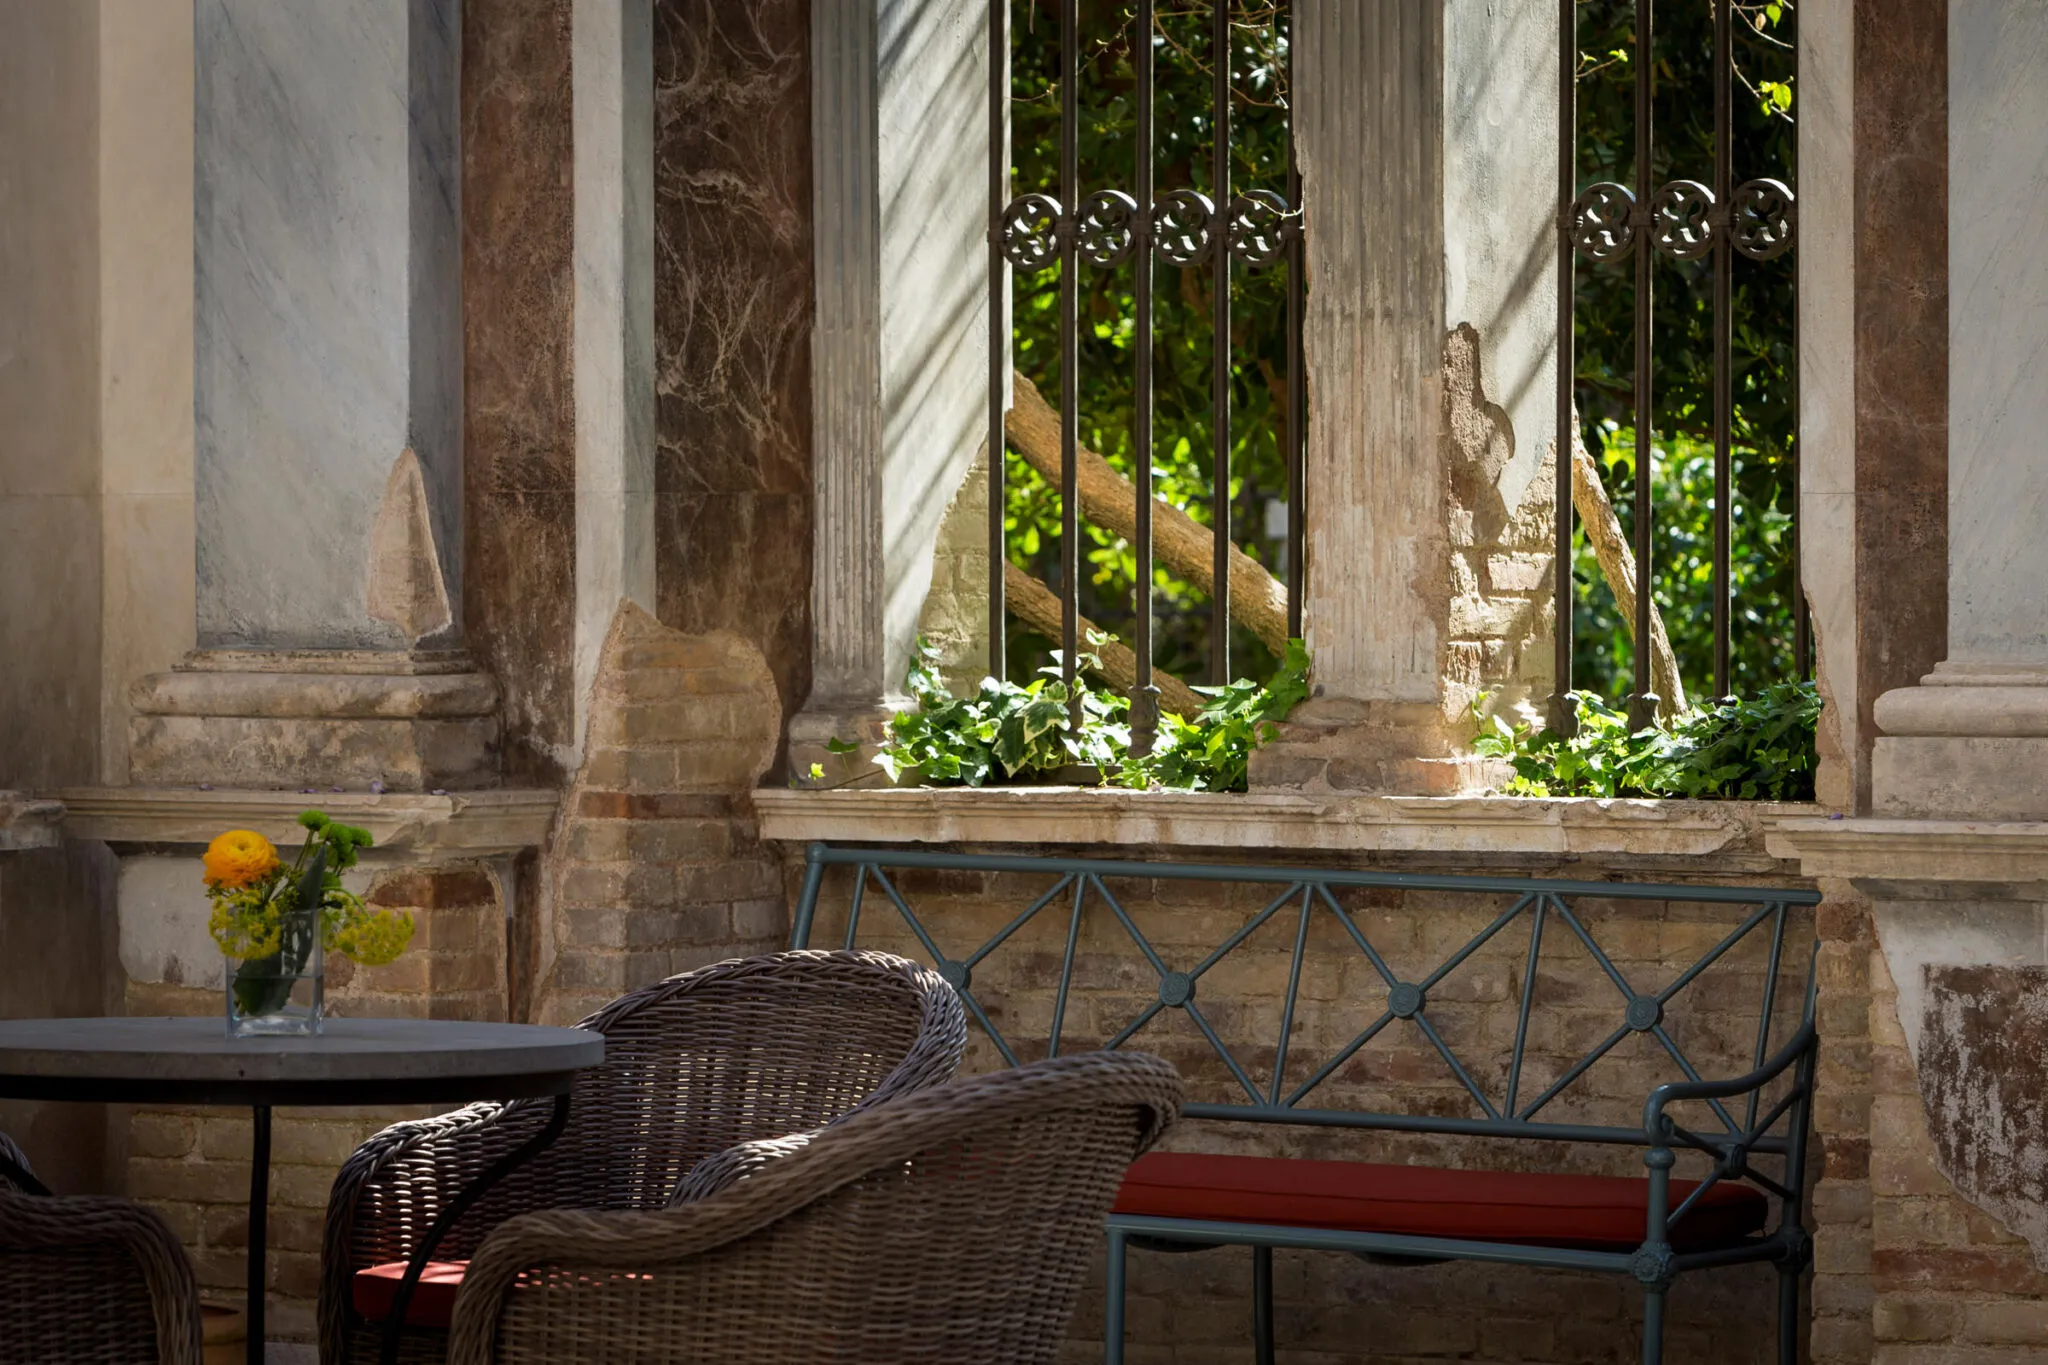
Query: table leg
259	1209
394	1323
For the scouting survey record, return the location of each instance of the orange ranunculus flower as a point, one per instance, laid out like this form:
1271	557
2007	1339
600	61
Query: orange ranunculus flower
238	858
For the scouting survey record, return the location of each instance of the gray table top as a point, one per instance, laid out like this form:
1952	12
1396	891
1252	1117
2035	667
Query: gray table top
117	1059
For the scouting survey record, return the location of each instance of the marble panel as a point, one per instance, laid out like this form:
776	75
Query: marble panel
328	333
1998	331
519	470
733	308
1901	368
740	562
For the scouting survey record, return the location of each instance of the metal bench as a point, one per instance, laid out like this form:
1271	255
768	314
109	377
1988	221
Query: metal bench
1650	1229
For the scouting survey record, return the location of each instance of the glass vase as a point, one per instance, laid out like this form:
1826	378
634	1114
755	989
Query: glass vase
280	995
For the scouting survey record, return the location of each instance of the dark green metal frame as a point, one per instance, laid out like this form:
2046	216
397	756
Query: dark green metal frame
1779	1131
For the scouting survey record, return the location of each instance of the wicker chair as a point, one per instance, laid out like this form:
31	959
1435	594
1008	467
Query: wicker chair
954	1225
744	1050
91	1281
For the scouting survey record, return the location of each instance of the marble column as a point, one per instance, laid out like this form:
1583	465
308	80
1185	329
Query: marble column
1971	741
328	408
1427	136
612	94
900	353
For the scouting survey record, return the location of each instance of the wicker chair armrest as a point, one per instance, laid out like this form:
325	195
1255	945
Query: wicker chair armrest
776	1187
385	1166
742	1161
136	1241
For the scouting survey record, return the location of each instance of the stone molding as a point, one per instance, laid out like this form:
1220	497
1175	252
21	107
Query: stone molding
482	824
1259	820
29	822
1971	851
321	718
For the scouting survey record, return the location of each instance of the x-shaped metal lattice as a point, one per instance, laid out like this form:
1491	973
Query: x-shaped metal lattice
1541	903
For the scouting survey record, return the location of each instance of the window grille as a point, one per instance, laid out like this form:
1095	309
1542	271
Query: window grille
1684	221
1222	230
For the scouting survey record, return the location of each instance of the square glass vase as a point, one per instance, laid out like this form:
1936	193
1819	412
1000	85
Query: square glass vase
282	995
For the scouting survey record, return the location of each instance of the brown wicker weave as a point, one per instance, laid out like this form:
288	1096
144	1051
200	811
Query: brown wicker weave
91	1281
952	1226
749	1049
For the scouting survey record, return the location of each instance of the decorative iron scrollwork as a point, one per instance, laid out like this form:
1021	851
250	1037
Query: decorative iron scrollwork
1260	226
1183	227
1031	231
1765	219
1682	220
1107	228
1603	224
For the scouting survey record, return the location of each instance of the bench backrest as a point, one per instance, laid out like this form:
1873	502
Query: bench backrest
1305	899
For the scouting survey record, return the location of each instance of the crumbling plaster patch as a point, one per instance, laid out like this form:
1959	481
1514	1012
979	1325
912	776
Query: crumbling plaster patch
1971	970
1983	1051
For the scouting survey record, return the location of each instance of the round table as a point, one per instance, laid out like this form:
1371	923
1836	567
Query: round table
352	1062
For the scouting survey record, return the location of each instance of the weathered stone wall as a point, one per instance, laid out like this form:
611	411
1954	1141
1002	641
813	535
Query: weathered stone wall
192	1164
656	866
1196	1308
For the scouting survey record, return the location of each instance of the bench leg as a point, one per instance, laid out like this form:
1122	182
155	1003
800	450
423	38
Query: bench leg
1788	1315
1262	1305
1113	1302
1653	1324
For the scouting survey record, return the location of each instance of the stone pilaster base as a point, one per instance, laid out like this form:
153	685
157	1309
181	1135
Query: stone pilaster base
814	732
1969	743
317	718
1397	748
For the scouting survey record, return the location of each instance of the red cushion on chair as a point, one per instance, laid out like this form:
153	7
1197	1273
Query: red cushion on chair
433	1302
1599	1213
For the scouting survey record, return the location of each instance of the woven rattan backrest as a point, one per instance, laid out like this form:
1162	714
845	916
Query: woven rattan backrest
91	1281
957	1224
753	1048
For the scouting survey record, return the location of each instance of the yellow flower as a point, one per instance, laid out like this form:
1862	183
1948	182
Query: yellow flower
238	858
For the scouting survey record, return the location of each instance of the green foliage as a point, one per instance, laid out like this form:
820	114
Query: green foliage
1007	731
1757	749
1213	751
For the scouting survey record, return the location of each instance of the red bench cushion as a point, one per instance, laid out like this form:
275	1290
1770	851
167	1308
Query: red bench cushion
1599	1213
433	1302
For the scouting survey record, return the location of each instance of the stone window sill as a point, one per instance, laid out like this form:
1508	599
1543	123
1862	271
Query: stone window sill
1484	825
471	824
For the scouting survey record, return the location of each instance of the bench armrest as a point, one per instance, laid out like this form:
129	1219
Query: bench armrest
1656	1125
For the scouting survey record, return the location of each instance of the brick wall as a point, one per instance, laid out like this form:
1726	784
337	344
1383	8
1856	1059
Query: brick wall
192	1164
656	866
1196	1308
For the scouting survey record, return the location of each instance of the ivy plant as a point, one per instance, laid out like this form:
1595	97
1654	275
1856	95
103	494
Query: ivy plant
1758	748
1006	732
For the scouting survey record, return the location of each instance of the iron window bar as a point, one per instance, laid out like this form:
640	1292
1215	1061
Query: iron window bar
1187	229
1684	220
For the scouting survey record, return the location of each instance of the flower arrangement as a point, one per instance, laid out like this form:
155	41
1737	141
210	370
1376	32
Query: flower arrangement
275	918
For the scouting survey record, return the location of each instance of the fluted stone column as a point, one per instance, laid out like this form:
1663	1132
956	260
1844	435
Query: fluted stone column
1427	132
899	367
328	408
1971	741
